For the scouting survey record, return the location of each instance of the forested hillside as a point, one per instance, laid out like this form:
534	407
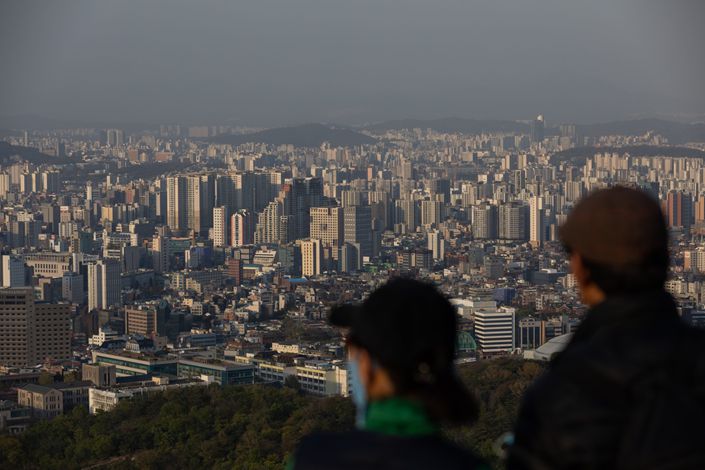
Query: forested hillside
251	427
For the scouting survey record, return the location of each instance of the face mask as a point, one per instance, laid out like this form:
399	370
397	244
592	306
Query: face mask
359	393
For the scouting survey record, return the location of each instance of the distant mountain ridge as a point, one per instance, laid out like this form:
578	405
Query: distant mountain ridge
578	155
41	123
452	125
306	135
675	132
29	154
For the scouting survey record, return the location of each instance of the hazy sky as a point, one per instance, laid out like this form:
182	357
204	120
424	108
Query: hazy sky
271	62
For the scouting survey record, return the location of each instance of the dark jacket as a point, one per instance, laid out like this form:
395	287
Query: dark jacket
398	436
627	392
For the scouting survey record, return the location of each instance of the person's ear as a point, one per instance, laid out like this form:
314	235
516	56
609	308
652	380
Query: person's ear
364	364
581	273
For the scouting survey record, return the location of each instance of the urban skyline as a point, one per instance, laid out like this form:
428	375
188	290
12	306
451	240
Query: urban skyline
188	189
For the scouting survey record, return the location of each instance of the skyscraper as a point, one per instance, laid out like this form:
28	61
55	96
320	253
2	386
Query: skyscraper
306	193
104	289
537	129
357	228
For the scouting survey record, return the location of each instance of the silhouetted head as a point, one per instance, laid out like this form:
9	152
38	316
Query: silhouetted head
404	336
618	243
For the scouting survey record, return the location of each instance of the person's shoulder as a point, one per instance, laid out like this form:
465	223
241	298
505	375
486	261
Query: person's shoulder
364	449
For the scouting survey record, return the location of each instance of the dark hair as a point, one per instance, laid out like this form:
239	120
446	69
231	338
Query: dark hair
410	329
632	278
442	395
622	239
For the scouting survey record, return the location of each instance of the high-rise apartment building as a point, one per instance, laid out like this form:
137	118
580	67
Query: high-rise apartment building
176	202
484	221
242	228
536	222
199	208
437	244
160	254
513	221
679	209
220	226
432	212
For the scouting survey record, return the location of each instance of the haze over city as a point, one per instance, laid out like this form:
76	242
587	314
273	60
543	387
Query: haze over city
270	63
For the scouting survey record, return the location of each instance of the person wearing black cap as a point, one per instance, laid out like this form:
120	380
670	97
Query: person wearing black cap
629	389
401	346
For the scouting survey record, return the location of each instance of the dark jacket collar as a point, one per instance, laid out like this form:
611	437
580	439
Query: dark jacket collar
626	310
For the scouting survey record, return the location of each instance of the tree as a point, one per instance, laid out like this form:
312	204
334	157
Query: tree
45	378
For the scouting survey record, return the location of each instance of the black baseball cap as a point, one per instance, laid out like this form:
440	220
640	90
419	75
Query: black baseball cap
410	329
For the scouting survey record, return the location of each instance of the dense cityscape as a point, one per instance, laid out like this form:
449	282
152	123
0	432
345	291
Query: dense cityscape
141	261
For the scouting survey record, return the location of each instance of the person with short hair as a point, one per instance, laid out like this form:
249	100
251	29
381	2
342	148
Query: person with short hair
401	347
629	389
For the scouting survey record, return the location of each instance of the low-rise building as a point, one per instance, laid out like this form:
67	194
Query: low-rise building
222	372
105	399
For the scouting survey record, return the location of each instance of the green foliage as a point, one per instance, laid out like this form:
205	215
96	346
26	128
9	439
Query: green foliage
45	378
249	427
244	427
498	385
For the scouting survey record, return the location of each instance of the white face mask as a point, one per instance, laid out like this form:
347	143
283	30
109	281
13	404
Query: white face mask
359	393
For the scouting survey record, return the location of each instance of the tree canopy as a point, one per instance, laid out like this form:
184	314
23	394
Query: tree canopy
245	427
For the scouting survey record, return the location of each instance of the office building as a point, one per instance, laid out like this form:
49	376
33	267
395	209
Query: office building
32	332
13	271
357	228
311	257
327	226
104	284
72	288
494	330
